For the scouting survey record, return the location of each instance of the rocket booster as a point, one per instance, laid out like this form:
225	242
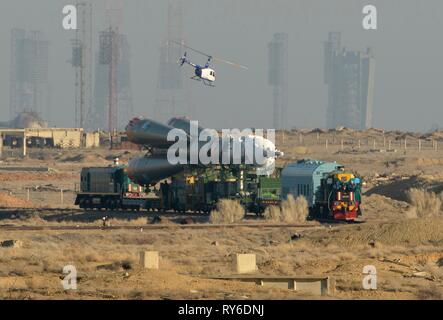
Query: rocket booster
148	133
253	150
152	169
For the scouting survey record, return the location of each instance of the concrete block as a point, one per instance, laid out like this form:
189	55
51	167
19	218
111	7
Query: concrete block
245	263
310	287
149	259
307	285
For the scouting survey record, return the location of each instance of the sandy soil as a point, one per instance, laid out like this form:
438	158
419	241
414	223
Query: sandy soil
408	253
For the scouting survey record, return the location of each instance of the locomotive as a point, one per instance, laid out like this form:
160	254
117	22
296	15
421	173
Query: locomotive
109	188
331	191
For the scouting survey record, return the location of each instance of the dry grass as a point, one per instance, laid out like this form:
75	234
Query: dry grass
424	203
228	211
291	211
107	263
127	222
431	293
10	201
273	213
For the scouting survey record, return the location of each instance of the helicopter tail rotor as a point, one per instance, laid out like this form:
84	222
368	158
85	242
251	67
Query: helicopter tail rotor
182	60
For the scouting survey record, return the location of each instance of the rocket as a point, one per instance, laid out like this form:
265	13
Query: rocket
160	139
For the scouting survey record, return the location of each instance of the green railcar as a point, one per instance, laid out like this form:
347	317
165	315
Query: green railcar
196	190
109	188
267	194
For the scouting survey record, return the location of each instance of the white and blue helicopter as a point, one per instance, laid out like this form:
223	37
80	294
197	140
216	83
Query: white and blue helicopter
204	73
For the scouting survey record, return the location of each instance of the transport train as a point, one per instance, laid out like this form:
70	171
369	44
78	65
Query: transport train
331	191
191	190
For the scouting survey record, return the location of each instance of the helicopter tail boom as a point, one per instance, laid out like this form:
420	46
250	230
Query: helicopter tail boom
210	57
184	60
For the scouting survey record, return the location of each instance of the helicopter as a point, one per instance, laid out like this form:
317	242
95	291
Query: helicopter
203	73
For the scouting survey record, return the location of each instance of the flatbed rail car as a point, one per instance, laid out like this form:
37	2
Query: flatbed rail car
197	190
200	190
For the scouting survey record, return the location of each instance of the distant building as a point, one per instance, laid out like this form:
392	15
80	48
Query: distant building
124	111
29	88
278	78
173	95
350	79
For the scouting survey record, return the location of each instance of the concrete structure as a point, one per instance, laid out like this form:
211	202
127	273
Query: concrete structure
350	77
29	88
82	62
307	285
245	263
113	107
91	140
278	78
48	137
149	259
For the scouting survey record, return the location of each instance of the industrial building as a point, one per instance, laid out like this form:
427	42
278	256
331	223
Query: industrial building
350	78
113	107
29	87
63	138
82	62
278	78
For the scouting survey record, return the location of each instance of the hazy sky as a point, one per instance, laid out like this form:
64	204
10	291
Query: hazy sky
408	48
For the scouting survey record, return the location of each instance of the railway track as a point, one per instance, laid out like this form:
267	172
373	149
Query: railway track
141	213
81	220
155	227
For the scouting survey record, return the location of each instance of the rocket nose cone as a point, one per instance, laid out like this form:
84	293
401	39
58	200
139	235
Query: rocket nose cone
131	124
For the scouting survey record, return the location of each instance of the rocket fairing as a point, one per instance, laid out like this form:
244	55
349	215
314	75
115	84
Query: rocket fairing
184	124
149	133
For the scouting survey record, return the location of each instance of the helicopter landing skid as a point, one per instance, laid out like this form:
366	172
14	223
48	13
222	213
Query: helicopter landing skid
208	83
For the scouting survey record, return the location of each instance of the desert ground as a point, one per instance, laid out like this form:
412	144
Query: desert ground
401	236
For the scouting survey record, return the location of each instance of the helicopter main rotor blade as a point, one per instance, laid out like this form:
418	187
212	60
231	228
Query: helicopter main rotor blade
211	57
187	47
230	63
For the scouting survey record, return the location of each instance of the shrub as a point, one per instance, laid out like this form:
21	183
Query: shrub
273	213
291	211
424	203
228	211
295	210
